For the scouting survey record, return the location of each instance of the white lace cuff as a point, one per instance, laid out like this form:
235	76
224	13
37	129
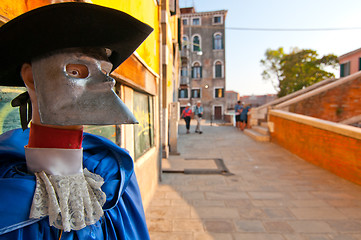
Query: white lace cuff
72	202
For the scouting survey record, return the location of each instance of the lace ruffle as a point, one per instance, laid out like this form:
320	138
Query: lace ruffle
71	202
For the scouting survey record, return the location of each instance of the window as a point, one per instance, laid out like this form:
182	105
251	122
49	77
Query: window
10	118
196	44
217	20
217	41
184	71
345	69
196	21
185	42
185	21
219	93
218	69
196	93
183	93
196	70
184	75
144	131
359	64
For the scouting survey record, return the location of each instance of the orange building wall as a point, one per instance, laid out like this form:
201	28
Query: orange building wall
335	105
337	153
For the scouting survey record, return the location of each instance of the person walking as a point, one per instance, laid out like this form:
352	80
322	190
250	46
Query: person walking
186	114
244	117
198	113
238	109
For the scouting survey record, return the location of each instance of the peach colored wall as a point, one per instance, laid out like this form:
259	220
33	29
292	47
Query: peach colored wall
333	151
353	58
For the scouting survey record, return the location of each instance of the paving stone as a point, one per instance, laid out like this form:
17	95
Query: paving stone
345	226
169	212
209	203
193	195
267	195
171	235
318	213
310	203
219	226
310	227
186	225
212	236
159	225
278	213
257	236
249	226
252	213
352	213
241	203
293	237
214	212
279	227
226	195
317	237
341	237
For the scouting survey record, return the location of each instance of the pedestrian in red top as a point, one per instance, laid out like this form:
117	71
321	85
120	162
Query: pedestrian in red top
186	114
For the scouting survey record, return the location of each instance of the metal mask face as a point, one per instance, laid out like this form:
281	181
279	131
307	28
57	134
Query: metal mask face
67	97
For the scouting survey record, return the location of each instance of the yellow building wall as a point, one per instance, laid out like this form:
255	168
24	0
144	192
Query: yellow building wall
9	9
146	11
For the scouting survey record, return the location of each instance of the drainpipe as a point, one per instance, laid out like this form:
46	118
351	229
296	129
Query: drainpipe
160	96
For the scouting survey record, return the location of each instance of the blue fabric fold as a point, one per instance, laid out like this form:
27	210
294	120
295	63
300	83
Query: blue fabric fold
123	211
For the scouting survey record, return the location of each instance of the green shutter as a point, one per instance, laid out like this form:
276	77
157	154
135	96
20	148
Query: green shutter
200	69
342	70
213	39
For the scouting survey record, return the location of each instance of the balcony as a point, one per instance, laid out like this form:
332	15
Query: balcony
184	81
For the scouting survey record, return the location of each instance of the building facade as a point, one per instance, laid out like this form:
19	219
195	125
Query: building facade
231	97
350	63
203	63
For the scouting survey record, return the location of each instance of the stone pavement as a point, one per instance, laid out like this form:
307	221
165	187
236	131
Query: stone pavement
272	194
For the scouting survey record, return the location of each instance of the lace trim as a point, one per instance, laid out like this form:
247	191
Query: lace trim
71	202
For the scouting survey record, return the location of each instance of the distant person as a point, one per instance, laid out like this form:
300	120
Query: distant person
198	113
186	114
244	117
237	111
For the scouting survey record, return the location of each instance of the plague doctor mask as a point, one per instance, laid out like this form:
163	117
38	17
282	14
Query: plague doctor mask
79	95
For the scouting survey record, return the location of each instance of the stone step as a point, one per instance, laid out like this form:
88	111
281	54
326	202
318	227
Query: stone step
264	124
256	135
262	130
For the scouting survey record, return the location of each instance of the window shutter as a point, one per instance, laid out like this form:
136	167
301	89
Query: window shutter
213	40
342	70
200	69
222	44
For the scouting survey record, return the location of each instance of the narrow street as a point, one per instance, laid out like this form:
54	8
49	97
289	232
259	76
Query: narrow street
268	194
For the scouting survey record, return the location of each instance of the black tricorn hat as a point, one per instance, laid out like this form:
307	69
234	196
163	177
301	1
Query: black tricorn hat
66	25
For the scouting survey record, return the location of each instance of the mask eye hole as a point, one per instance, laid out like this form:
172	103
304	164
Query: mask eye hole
77	70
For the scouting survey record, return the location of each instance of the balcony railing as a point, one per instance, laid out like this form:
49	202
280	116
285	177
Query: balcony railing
184	81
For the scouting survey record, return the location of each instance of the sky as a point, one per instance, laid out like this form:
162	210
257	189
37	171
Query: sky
245	49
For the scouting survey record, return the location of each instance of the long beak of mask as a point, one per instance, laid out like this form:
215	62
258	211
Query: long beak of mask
67	97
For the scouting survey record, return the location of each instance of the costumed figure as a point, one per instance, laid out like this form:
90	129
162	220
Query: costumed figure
57	182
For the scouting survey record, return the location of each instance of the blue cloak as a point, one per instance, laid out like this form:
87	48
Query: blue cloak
123	211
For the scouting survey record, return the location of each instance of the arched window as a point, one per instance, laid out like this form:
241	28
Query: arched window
196	44
196	70
218	69
217	41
